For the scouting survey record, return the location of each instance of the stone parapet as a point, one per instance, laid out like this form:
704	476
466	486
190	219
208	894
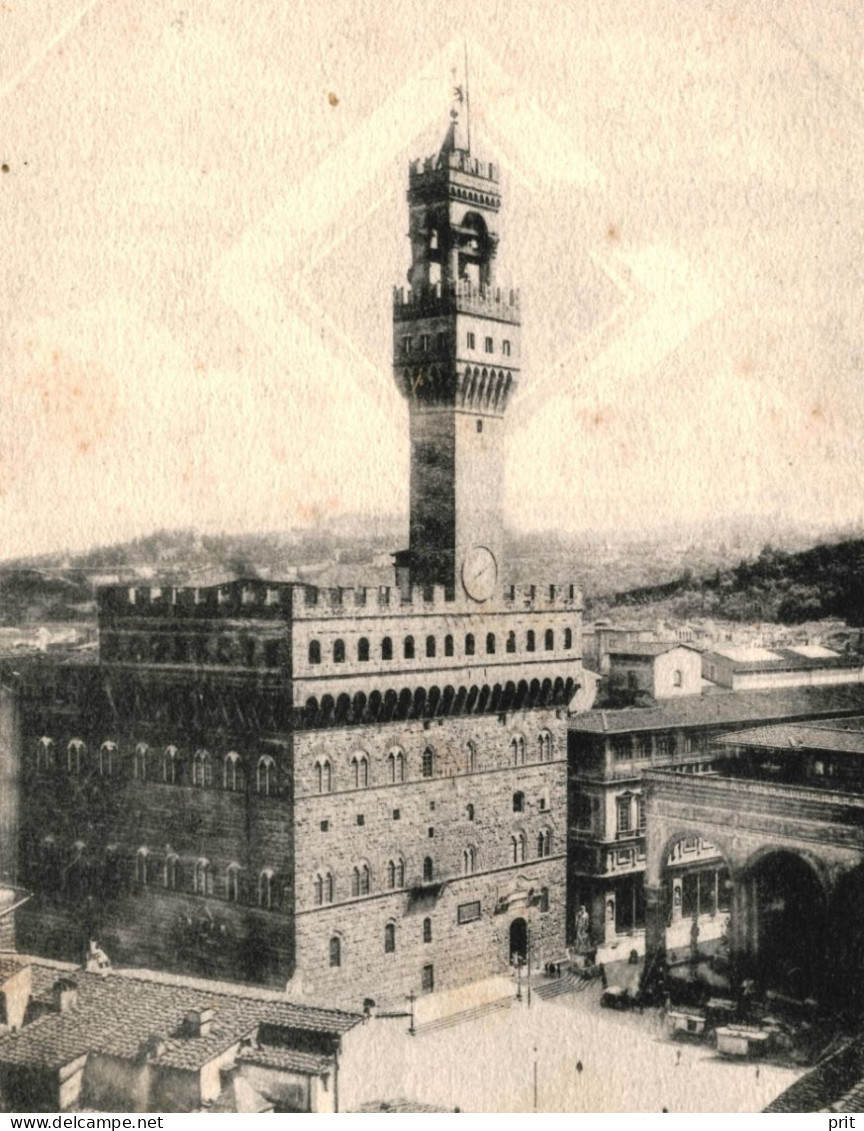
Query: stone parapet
461	298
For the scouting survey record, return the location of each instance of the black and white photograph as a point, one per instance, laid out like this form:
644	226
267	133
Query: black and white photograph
431	558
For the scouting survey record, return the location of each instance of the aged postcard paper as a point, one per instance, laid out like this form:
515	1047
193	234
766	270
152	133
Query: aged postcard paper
431	671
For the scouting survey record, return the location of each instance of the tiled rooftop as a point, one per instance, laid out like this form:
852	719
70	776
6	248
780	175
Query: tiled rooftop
115	1014
783	659
724	708
651	648
292	1060
840	738
835	1084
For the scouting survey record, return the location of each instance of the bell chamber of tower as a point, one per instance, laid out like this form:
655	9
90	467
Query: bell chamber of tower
456	356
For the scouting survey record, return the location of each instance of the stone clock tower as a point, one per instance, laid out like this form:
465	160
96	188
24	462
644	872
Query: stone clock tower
456	361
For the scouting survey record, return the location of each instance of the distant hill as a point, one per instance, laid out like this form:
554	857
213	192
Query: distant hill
788	588
789	583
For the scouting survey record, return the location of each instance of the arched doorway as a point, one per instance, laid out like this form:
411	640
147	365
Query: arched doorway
688	938
787	925
518	942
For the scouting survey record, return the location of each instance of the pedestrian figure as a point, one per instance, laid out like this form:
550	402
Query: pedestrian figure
604	981
579	1066
677	1057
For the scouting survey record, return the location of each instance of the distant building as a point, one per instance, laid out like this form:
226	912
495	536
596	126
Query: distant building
783	807
755	668
660	670
610	754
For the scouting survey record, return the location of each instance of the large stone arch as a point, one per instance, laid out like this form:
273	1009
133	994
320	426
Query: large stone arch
781	922
790	852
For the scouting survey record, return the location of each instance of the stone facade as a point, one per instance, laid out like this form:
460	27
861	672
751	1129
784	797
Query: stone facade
360	791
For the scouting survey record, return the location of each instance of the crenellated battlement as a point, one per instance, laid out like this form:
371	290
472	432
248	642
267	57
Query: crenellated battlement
463	297
456	160
257	600
253	599
310	602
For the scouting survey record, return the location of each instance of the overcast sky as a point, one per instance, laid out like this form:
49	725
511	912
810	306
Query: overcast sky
204	214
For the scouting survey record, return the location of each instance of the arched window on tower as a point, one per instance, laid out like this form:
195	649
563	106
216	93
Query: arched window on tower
490	643
471	751
395	765
430	647
338	651
232	883
469	644
360	880
232	772
511	642
139	765
386	648
469	860
141	867
324	887
201	768
389	938
170	873
323	776
517	749
265	781
568	637
362	650
266	889
107	759
409	648
530	644
75	753
314	651
544	742
428	762
518	845
448	645
428	869
203	878
360	766
427	930
549	640
169	765
335	951
45	754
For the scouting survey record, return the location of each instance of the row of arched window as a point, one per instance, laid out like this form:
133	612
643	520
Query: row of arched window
173	873
410	646
389	940
359	776
166	765
325	884
202	648
519	846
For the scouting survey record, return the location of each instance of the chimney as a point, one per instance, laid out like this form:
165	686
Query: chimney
198	1023
64	994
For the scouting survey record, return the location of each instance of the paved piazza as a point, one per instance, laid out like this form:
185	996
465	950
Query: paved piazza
628	1064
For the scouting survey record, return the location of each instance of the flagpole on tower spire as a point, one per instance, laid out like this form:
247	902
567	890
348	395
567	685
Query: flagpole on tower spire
467	97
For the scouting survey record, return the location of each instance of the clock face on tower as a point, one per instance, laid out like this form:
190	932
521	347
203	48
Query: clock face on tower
479	573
